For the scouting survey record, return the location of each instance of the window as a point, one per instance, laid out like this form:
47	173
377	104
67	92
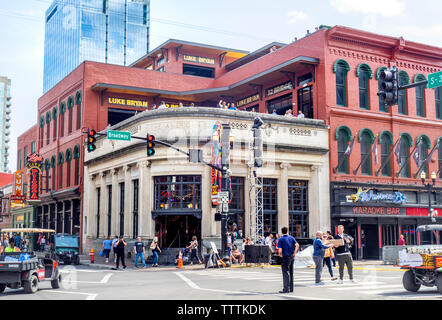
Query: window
78	116
109	210
382	106
62	125
304	79
366	142
25	155
405	150
386	143
33	147
60	175
177	193
70	121
363	73
404	79
409	232
298	208
420	96
270	205
343	137
135	208
199	71
19	160
341	69
440	159
68	174
281	104
98	211
423	156
437	97
236	207
54	131
122	209
77	171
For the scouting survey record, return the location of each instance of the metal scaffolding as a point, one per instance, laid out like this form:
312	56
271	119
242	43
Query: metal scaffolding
255	197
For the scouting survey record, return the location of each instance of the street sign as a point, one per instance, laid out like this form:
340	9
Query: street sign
435	80
118	135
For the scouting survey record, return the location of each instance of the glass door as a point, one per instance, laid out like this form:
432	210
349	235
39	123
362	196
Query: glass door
305	101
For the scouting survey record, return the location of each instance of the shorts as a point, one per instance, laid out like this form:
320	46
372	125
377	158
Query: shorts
229	251
106	253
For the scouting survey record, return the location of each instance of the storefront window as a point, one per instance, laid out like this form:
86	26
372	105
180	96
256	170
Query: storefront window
177	192
270	205
280	105
298	208
409	232
236	207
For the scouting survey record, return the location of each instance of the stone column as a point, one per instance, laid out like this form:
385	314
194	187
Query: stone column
146	226
208	225
128	216
115	209
72	217
283	199
103	189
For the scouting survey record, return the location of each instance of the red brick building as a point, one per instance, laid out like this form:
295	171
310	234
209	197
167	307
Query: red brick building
331	74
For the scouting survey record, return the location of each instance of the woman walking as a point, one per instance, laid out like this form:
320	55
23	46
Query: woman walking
155	250
193	247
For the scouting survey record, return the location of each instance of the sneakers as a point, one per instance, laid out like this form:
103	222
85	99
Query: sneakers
340	281
333	279
353	280
319	283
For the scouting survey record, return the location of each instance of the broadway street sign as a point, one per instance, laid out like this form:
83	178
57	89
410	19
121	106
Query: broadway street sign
435	80
118	135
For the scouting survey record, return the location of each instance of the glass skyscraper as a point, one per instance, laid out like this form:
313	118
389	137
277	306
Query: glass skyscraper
5	122
109	31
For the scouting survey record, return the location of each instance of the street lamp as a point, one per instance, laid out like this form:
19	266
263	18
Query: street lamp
429	187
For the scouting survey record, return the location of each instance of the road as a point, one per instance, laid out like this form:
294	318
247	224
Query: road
84	283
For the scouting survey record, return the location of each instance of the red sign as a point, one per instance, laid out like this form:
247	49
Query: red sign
34	164
372	211
16	198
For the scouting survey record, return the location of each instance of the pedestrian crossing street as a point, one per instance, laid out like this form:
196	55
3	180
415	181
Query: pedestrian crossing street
368	285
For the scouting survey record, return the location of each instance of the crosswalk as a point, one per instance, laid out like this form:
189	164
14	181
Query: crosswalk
369	286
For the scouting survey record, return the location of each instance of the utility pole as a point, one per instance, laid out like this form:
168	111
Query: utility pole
224	194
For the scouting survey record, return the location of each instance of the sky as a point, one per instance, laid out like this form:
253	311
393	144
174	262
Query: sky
237	24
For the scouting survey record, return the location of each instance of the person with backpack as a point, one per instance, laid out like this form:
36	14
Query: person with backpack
193	247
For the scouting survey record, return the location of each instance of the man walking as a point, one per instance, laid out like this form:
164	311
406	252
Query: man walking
139	252
114	247
318	256
343	255
288	247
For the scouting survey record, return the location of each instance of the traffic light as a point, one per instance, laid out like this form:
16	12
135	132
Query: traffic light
150	145
91	140
389	86
257	147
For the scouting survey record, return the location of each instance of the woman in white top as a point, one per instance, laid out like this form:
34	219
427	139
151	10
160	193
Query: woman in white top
193	247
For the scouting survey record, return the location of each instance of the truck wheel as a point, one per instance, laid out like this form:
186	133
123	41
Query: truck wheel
55	284
2	288
31	285
77	260
409	282
439	282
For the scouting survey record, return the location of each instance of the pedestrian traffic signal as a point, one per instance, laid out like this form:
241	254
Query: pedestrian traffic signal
150	145
91	140
257	147
389	86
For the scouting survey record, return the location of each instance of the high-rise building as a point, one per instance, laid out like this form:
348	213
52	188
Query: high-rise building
5	122
109	31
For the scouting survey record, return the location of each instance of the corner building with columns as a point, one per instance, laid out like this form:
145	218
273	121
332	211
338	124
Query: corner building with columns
126	193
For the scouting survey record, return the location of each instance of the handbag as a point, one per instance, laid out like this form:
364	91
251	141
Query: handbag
101	253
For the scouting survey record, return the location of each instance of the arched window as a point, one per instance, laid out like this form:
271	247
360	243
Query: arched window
386	141
53	161
423	151
403	79
48	130
440	158
366	138
68	158
406	143
47	166
54	117
62	111
78	103
382	106
438	97
343	135
364	73
76	155
70	105
420	97
341	68
60	169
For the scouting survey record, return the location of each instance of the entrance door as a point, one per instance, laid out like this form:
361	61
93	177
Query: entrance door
177	231
370	241
305	101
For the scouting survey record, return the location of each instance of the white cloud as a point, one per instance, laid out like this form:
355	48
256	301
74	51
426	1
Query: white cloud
295	16
386	8
431	35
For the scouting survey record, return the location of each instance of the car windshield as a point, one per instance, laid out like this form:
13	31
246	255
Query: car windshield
66	241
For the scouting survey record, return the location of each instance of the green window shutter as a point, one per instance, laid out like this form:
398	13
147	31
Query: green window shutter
54	113
70	102
62	107
48	116
47	164
78	98
60	158
68	155
76	152
53	160
42	121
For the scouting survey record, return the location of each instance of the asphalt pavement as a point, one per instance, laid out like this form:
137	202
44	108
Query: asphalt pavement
374	282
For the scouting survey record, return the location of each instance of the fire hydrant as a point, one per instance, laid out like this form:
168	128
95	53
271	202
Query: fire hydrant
92	255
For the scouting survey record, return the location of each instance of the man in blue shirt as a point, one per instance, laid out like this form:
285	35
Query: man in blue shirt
318	256
288	247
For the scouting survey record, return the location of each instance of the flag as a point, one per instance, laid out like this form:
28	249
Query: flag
430	156
397	152
417	154
350	147
374	149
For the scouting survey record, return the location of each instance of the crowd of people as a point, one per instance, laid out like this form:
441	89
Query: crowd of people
14	244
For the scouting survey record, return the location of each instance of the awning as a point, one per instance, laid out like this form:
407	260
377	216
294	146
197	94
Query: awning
429	227
177	212
28	230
